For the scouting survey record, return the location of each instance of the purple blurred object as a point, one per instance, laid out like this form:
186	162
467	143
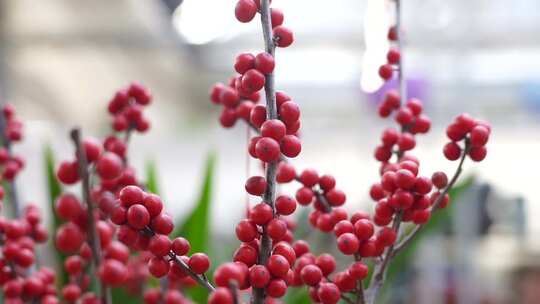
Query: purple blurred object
417	87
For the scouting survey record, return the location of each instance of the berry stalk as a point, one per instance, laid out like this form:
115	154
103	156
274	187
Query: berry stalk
95	246
271	168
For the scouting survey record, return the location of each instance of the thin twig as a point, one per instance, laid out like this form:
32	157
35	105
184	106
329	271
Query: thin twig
92	231
201	279
271	169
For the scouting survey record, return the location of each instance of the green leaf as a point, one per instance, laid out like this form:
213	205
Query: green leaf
297	295
196	227
152	184
120	295
54	189
440	219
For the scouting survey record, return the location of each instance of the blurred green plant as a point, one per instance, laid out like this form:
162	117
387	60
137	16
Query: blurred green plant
196	227
54	189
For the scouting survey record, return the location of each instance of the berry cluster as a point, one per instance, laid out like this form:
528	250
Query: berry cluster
10	164
127	106
475	135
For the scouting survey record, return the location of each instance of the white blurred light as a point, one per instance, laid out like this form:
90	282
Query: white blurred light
202	21
375	35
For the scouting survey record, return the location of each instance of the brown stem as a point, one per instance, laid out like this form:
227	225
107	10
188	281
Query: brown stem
92	231
259	295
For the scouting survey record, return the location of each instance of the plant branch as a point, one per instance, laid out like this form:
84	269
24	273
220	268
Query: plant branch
259	295
92	231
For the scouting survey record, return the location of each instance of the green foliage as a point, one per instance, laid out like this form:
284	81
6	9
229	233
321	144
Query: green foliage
440	219
196	227
152	184
298	295
54	189
120	295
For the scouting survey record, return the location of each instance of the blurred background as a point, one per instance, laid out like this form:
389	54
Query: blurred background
61	61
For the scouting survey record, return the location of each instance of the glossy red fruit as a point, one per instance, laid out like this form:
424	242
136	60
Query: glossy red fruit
109	166
199	263
267	149
160	245
138	216
112	272
221	295
348	243
285	205
256	185
244	62
158	267
311	275
283	35
273	128
259	276
386	71
180	246
358	270
246	231
245	10
290	146
68	172
452	151
265	63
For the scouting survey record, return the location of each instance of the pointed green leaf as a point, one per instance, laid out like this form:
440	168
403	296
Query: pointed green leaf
54	189
152	184
196	227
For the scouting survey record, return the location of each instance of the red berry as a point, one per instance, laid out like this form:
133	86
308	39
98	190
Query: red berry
244	62
112	272
392	33
229	273
265	63
276	288
153	204
68	172
69	237
162	224
158	267
406	142
405	179
479	136
387	236
199	263
285	250
109	166
285	173
256	185
478	153
92	149
358	271
229	97
71	292
276	16
253	80
393	56
246	231
137	216
267	149
386	71
329	293
465	122
401	199
276	229
363	229
283	35
311	275
221	295
289	112
342	227
309	177
245	10
300	247
326	263
180	246
422	185
68	207
273	128
290	146
258	115
304	196
259	276
336	197
261	214
228	118
452	151
404	116
278	265
348	243
160	245
421	217
285	205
